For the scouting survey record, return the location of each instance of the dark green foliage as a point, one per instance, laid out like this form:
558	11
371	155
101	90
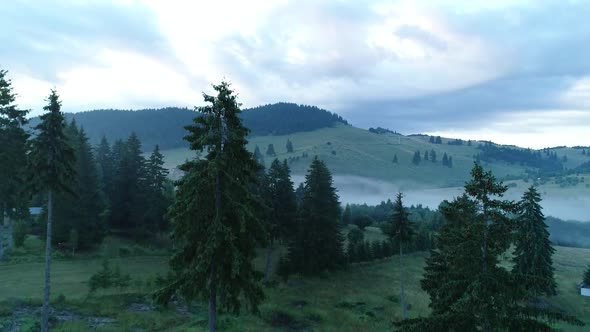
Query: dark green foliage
450	163
347	215
51	163
468	287
363	221
526	157
156	200
445	160
587	276
164	127
84	211
107	278
402	229
289	146
431	139
432	156
282	201
438	140
456	141
270	150
318	243
216	227
287	118
425	155
395	159
13	156
381	131
130	187
52	158
355	236
416	159
533	250
21	229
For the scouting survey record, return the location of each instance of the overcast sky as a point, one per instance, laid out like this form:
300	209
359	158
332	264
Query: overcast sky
513	72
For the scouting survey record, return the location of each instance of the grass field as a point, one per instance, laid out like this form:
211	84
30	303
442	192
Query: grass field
352	151
363	297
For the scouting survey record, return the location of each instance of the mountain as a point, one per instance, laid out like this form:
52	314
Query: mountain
165	126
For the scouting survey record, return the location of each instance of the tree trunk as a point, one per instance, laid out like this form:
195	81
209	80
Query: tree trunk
268	262
3	213
45	321
401	282
10	238
213	302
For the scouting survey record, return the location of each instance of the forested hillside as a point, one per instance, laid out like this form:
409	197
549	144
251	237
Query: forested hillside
165	126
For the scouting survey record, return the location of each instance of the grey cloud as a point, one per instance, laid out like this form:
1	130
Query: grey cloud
425	37
48	36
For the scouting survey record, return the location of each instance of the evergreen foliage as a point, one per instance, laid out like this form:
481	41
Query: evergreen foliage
395	159
533	250
346	215
51	168
13	159
433	155
416	159
318	244
468	287
289	146
587	276
216	228
270	150
363	221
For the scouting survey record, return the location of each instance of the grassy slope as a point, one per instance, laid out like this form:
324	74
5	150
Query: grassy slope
359	152
360	298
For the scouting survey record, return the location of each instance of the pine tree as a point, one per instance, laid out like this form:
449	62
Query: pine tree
395	158
283	207
438	140
157	203
216	228
416	159
401	229
289	146
52	163
347	215
425	155
433	155
258	155
587	276
318	244
533	250
445	159
431	139
270	150
450	163
106	166
468	287
13	154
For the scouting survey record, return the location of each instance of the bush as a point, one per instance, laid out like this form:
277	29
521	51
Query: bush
107	278
20	233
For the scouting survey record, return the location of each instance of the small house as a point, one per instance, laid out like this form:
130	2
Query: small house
584	289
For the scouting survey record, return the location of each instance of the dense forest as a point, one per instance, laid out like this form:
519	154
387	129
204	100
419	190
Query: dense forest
165	126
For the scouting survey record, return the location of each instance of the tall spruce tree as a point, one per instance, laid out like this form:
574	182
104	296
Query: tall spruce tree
157	204
13	154
52	163
270	150
533	250
318	244
289	146
215	225
347	215
417	158
283	207
468	287
586	278
401	230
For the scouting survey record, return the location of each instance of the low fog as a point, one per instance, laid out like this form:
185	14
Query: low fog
359	190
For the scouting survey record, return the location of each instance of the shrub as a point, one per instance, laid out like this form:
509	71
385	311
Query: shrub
20	233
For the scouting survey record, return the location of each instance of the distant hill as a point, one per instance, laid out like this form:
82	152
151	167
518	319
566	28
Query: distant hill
165	126
353	151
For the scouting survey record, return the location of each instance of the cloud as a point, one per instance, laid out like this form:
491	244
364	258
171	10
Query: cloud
415	66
